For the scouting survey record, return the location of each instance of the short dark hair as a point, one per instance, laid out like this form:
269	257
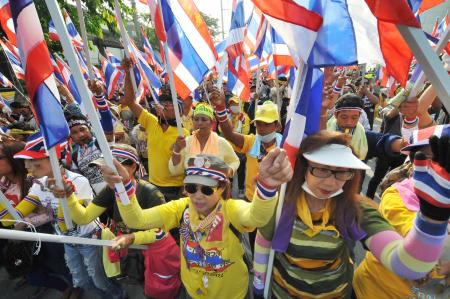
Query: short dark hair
349	100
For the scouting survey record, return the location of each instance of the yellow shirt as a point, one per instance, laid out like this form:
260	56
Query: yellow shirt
226	153
223	266
252	165
159	147
187	121
245	126
372	280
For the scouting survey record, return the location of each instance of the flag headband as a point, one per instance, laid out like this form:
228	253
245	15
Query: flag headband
348	109
77	122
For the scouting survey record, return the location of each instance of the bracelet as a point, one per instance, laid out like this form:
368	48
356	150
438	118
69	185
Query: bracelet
337	89
175	153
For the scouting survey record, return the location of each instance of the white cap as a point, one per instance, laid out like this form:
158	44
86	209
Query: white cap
337	155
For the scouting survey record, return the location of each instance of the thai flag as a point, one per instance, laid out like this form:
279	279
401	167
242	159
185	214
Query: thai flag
82	63
5	81
113	59
434	41
12	53
280	51
152	59
236	36
156	18
112	76
67	78
52	33
220	48
441	27
98	74
304	112
253	25
39	78
253	62
6	109
263	47
423	5
238	78
191	50
75	37
7	22
297	25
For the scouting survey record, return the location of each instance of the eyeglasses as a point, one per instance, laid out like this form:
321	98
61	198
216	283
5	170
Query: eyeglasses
323	173
127	162
193	188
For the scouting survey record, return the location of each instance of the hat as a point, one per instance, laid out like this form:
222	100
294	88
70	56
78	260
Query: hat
204	109
267	112
35	148
234	99
337	155
206	170
421	138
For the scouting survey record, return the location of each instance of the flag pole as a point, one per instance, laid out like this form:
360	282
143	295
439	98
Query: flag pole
69	52
439	48
258	87
20	93
8	206
85	39
429	61
171	79
59	183
11	234
298	84
221	72
126	44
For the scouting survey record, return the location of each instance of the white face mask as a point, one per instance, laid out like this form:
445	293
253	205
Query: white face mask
267	138
306	188
235	109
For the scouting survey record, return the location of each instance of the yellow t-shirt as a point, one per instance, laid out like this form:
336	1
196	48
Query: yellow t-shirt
372	280
245	126
187	121
159	148
217	256
252	165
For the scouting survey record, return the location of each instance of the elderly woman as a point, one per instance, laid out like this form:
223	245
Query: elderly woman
202	141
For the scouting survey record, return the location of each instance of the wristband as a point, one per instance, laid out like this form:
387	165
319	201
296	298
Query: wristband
130	189
222	114
175	153
337	89
265	191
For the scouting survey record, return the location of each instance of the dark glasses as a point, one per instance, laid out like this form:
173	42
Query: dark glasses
193	188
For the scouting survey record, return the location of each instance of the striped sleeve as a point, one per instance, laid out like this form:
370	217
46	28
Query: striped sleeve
106	119
25	207
415	255
260	260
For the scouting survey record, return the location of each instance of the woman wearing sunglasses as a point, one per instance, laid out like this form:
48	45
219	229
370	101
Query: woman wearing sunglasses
212	264
323	215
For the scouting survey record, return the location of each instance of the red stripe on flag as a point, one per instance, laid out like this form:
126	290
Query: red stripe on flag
291	12
39	70
182	89
393	11
291	152
427	4
396	51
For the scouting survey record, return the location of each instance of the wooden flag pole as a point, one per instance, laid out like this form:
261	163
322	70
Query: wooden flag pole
429	61
8	206
85	39
171	79
69	52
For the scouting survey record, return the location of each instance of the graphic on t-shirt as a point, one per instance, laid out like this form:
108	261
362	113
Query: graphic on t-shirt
210	260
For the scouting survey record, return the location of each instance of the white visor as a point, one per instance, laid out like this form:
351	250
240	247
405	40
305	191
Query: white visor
337	155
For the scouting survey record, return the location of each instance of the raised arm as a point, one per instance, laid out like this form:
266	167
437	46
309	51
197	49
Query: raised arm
129	98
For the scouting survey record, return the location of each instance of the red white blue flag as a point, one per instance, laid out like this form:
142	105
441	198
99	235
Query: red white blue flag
112	76
12	53
38	68
5	81
7	22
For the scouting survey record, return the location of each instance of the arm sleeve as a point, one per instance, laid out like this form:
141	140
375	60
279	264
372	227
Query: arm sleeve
248	143
180	168
24	208
148	236
412	257
106	118
166	216
83	215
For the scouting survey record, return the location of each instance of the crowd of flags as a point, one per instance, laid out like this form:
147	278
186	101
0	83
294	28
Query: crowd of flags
332	33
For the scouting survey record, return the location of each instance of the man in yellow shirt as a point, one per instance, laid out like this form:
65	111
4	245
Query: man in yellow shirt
161	135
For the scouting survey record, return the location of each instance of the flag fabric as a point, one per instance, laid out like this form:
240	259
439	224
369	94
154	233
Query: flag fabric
280	51
254	23
6	109
65	74
220	48
12	53
191	49
82	63
112	76
5	81
440	29
238	78
75	37
304	118
236	36
152	59
424	5
52	32
7	22
39	78
294	23
113	60
263	45
156	18
434	41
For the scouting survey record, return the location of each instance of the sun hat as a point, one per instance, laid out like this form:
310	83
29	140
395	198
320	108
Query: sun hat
421	137
206	170
267	112
337	155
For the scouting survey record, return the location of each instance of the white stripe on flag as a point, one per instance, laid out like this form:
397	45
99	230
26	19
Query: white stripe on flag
280	49
297	126
183	73
29	37
193	35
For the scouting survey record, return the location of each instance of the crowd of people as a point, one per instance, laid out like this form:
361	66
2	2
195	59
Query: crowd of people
203	200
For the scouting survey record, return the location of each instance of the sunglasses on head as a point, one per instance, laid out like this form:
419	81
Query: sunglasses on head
193	188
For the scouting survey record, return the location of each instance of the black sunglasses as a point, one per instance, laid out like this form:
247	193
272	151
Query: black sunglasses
193	188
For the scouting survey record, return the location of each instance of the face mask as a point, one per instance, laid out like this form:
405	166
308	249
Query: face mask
267	138
305	188
235	109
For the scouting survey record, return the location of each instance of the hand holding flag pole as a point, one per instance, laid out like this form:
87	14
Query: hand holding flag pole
8	206
85	40
69	51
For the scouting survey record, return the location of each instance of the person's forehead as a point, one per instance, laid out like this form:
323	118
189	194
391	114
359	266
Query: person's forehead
349	113
314	164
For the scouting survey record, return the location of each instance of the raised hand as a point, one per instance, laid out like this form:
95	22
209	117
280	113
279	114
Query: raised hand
129	96
66	191
179	144
216	96
112	178
432	180
96	87
123	241
275	168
